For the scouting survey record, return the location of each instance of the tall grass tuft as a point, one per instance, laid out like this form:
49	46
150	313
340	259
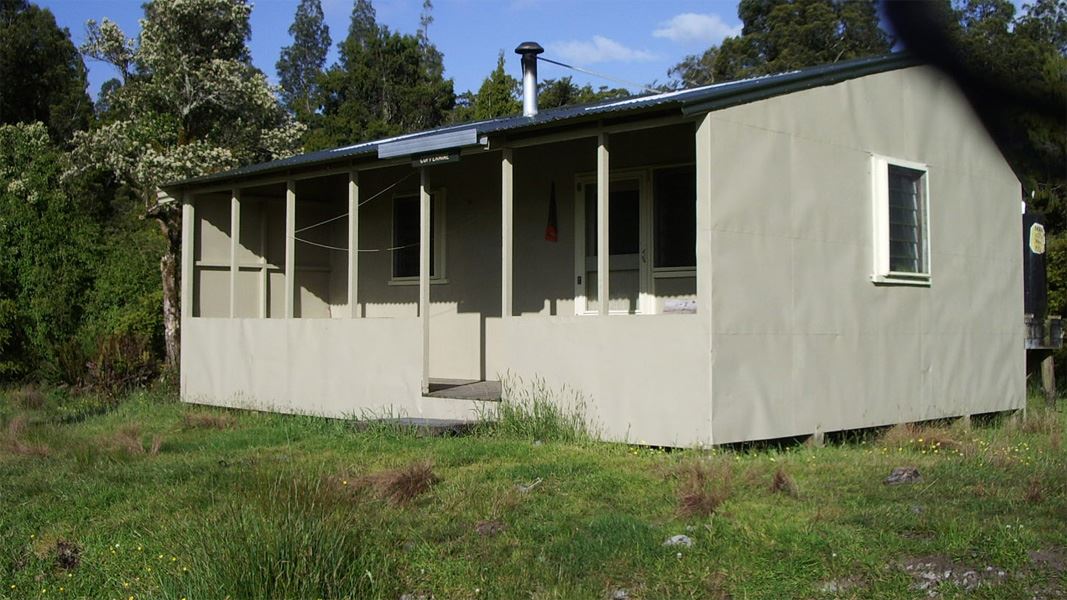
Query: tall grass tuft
536	411
208	420
783	483
13	439
292	537
923	436
703	486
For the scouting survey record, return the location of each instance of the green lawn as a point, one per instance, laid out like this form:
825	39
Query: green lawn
156	499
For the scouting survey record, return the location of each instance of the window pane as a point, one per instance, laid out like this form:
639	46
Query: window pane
906	244
406	237
624	213
675	217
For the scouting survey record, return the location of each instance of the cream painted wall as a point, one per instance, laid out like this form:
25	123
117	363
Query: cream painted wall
369	368
645	378
802	338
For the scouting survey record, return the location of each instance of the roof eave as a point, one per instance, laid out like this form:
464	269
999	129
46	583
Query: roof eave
744	92
802	80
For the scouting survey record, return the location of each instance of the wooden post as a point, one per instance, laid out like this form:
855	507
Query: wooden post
507	199
290	249
817	439
424	275
603	192
1048	379
264	271
188	254
353	245
235	241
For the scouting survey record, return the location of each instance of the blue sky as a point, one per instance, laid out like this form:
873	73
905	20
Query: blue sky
637	40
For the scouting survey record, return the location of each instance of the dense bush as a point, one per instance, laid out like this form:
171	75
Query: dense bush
48	245
78	281
1056	261
125	296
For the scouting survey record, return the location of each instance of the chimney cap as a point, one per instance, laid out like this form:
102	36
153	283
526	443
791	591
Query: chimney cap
529	48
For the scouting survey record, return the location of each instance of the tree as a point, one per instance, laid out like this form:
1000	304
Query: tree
384	84
496	97
1025	55
1029	52
48	244
554	93
42	73
781	36
190	103
300	65
695	69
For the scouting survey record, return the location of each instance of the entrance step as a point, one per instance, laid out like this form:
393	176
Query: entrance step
465	389
426	427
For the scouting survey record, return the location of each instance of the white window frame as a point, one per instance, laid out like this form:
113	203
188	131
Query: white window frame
438	197
880	205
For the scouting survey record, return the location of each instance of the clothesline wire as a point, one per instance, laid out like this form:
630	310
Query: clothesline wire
600	75
345	214
338	248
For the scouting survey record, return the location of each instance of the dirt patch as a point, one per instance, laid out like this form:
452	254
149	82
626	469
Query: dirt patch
1053	559
68	555
489	528
929	572
716	587
206	420
919	536
843	585
903	475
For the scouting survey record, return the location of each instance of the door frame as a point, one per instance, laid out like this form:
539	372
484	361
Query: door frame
646	295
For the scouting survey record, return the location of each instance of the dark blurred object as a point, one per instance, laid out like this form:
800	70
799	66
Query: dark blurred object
1035	294
926	31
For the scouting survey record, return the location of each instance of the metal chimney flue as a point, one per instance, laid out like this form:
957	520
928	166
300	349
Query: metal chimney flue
529	52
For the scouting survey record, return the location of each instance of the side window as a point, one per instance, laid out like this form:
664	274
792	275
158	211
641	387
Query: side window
902	232
674	222
405	246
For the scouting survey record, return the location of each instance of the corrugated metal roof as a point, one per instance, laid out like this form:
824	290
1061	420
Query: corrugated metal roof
689	101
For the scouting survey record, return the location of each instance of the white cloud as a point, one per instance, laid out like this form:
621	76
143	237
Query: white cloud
694	27
600	49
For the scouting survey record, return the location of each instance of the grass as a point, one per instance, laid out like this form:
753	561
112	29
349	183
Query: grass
150	498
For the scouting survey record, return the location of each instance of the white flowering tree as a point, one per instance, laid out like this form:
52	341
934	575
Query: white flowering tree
189	102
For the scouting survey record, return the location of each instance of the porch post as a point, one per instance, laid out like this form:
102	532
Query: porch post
264	271
353	244
235	240
424	275
603	188
188	254
703	249
290	248
507	199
